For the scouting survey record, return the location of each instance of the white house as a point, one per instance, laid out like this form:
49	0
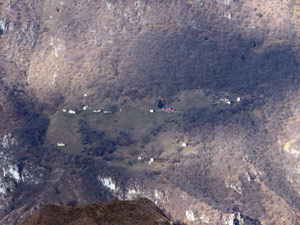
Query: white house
225	100
140	158
238	99
85	107
85	95
64	110
97	110
151	161
106	112
60	144
71	111
151	110
184	144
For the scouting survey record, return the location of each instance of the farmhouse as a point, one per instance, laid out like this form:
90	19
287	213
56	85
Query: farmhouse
151	110
151	161
97	110
71	111
106	112
64	110
225	100
85	107
169	110
60	144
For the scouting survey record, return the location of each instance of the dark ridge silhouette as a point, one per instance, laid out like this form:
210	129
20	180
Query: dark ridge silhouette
139	212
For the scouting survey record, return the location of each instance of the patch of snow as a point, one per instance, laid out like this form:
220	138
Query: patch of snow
109	184
8	141
190	216
3	26
204	219
5	188
13	172
132	193
158	195
109	6
236	186
228	219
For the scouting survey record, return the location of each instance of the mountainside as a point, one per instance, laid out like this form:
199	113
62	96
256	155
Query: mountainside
192	104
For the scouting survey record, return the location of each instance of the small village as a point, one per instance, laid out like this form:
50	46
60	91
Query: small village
163	109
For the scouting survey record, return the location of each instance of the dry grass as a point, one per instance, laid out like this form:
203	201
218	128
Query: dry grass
63	128
164	137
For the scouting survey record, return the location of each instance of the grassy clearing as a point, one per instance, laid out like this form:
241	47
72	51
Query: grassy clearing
193	98
63	128
155	135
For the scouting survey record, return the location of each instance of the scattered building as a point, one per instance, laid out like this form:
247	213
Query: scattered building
85	107
140	158
71	111
60	144
120	110
169	110
64	110
151	161
238	99
97	110
85	95
225	100
107	112
151	110
184	144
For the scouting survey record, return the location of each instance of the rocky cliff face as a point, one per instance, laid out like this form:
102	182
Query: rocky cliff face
228	68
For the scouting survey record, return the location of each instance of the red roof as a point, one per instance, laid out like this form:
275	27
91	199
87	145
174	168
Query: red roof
168	109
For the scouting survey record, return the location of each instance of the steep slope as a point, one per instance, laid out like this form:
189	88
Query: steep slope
230	69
